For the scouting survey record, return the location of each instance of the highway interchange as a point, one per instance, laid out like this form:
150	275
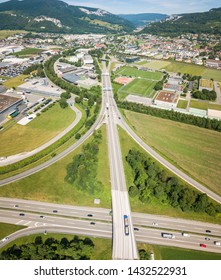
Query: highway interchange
75	220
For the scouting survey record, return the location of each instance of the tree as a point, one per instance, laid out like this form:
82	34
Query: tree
63	103
133	191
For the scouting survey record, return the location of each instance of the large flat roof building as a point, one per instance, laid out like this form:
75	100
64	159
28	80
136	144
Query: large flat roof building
167	99
8	104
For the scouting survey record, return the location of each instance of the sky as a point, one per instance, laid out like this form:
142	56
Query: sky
148	6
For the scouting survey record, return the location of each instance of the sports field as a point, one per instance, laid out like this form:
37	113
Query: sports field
176	67
139	87
202	105
134	72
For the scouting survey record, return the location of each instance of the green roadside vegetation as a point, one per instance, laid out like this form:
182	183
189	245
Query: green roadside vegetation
49	185
195	150
172	253
6	229
154	206
182	67
182	104
18	138
15	82
6	33
65	246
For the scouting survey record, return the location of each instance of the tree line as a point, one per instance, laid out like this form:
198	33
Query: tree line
205	94
82	171
153	182
51	249
212	124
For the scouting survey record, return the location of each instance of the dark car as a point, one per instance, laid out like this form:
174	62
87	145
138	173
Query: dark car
89	215
136	229
207	238
55	211
42	216
21	214
92	223
208	230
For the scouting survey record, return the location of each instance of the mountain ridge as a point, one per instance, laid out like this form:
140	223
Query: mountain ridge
59	17
201	22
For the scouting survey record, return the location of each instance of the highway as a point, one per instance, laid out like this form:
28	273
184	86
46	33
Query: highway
91	227
124	244
102	214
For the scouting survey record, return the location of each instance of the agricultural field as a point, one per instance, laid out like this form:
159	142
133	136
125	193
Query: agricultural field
195	150
49	185
182	104
15	82
37	132
134	72
176	67
139	87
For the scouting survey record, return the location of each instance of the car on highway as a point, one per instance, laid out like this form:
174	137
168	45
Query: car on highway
55	211
202	245
21	214
207	230
136	229
217	243
207	238
16	205
42	216
89	215
185	234
155	224
92	223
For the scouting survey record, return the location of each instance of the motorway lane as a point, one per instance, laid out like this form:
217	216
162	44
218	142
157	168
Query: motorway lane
81	227
124	246
101	214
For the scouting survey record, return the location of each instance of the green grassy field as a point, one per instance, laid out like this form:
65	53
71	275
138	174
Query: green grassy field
182	67
102	249
170	253
195	150
154	207
133	72
141	87
6	229
15	82
202	105
214	107
49	184
182	104
37	132
29	52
